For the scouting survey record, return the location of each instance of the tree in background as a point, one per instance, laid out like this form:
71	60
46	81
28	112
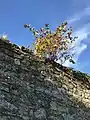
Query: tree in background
53	45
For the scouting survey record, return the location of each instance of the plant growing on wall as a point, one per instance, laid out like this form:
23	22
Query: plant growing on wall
4	36
53	45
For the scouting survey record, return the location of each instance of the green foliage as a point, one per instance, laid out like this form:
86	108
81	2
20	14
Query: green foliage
4	37
53	43
80	76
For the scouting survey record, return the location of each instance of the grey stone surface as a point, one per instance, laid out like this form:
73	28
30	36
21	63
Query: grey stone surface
31	90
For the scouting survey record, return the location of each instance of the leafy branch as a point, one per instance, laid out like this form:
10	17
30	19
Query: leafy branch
49	44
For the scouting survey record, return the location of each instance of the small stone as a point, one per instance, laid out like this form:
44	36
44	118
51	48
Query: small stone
40	114
17	61
53	105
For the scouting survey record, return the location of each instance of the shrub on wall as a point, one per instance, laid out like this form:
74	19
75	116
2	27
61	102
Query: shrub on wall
53	45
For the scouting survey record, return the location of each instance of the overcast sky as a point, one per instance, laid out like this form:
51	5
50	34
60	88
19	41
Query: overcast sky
15	13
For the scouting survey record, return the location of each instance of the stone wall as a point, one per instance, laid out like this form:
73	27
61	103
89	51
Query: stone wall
33	90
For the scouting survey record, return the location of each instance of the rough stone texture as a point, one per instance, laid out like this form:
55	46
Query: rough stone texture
32	90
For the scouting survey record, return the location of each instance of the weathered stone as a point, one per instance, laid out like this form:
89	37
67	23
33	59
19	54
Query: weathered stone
53	105
17	61
32	90
40	114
